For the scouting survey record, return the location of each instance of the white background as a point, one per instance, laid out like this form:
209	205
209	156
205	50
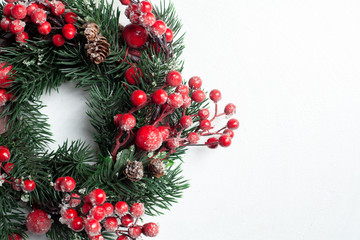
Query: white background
292	69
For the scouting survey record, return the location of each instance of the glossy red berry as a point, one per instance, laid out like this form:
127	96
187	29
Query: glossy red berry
19	11
5	24
230	109
97	197
138	98
212	142
92	227
57	183
225	140
68	215
204	113
215	95
97	212
70	17
77	224
159	28
109	209
148	138
122	237
148	19
5	75
159	97
69	31
8	167
17	26
111	224
73	200
126	220
45	28
186	122
175	100
233	124
165	132
183	90
125	2
7	9
137	210
150	229
38	222
134	232
127	122
133	8
187	101
229	132
198	96
57	8
28	186
58	40
14	236
169	35
195	82
135	35
121	208
4	154
193	137
38	16
205	125
174	79
68	184
31	8
22	37
86	208
145	7
131	76
117	118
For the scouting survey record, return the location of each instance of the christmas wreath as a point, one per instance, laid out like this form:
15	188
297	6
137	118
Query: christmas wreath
144	113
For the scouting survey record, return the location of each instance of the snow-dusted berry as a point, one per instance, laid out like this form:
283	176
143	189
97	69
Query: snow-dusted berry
97	197
183	90
92	227
17	26
7	9
148	138
164	131
38	16
187	101
198	96
19	11
68	215
150	229
159	28
97	212
127	122
204	113
137	210
22	37
175	100
111	224
126	220
193	137
148	19
205	125
230	109
134	232
195	82
68	184
215	95
31	8
38	222
109	209
5	24
121	208
186	121
57	8
73	200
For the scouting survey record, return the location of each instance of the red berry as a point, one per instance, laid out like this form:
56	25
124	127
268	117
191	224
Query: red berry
186	122
117	118
92	227
212	142
173	143
126	220
68	215
5	77
38	222
187	101
97	197
22	37
8	167
198	96
165	132
150	229
121	208
109	209
134	18
137	210
17	26
193	137
14	236
134	232
43	6
138	98
45	28
5	24
125	2
135	36
205	125
77	224
31	8
148	19
175	100
174	79
122	237
70	17
131	75
127	122
10	1
158	28
4	154
28	186
3	97
215	95
69	31
145	7
16	185
58	40
195	82
204	113
97	212
183	90
7	9
38	16
57	8
73	200
19	11
230	109
169	35
225	140
233	124
68	184
86	208
159	97
148	138
57	183
133	8
97	237
111	224
229	132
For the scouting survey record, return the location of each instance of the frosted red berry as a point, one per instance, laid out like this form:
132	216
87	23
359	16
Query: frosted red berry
14	236
148	19
3	97
125	2
215	95
58	40
73	200
31	8
204	113
117	118
193	137
159	97
225	140
19	11
212	142
68	184
229	132
145	7
134	18
5	24
134	232
92	227
195	82
7	9
148	138
57	183
126	220
150	229
174	79
68	215
198	96
97	237
97	197
131	75
230	109
22	37
70	17
16	185
127	122
8	167
121	208
173	143
38	16
69	31
137	210
17	26
135	35
183	89
164	131
169	35
28	186
45	28
109	209
57	8
86	208
175	100
5	77
187	101
205	125
4	154
233	124
97	212
186	122
138	98
111	224
159	28
77	224
38	222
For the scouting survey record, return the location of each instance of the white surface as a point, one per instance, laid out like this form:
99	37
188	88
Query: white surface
292	68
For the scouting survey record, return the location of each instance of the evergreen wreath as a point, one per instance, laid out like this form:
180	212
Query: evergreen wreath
144	115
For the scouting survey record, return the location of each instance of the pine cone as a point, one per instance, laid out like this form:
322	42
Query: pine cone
91	31
157	167
134	171
98	50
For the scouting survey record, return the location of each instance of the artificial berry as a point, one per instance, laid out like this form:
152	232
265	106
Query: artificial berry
148	19
134	231
3	97
31	8
77	224
193	137
175	100
173	143
43	6
38	16
131	75
16	185
169	35
97	197
215	95
130	9
134	18
205	124
92	227
204	114
127	122
8	167
233	124
195	82
57	8
4	154
187	101
182	89
121	208
58	40
68	184
165	132
135	36
117	118
137	210
198	96
28	186
111	224
17	26
14	236
225	140
10	1
21	37
68	215
70	17
230	109
212	142
150	229
69	31
138	98
18	11
122	237
186	121
109	209
7	9
45	28
97	212
86	208
159	97
229	132
126	220
158	28
57	183
5	77
148	138
125	2
145	7
97	237
5	23
73	200
38	222
174	79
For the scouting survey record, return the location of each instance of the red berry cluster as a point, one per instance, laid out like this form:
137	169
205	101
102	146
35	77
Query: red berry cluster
17	15
6	77
26	185
92	213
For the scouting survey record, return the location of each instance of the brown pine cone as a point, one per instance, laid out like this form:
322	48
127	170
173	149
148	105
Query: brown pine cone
98	50
91	31
157	167
134	171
